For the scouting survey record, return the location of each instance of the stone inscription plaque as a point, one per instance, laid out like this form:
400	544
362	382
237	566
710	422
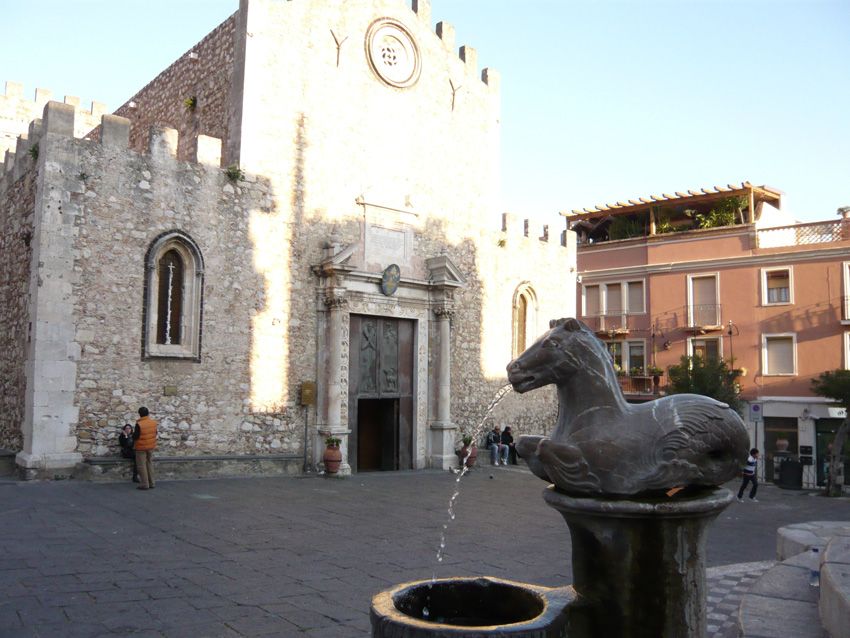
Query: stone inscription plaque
385	245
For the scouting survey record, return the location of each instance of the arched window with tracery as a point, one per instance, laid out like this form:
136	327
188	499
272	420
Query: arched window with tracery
169	316
174	283
524	318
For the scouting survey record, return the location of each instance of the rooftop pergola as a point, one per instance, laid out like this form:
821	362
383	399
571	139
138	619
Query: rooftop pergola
702	200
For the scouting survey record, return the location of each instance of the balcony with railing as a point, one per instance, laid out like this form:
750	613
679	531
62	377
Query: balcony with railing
804	234
641	387
614	324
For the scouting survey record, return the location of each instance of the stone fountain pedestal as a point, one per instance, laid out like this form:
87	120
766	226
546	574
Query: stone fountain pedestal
638	572
639	565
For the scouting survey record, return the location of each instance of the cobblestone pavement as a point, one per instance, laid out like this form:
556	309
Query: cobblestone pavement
303	556
726	586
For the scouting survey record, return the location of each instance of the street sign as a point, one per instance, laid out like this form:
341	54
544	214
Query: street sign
756	411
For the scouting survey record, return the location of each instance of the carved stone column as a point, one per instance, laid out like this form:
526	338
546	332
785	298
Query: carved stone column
446	279
336	303
442	429
332	388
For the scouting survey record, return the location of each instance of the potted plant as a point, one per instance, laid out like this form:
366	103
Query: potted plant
332	457
655	372
468	454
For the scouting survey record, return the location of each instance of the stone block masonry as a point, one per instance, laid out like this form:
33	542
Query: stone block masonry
345	168
16	113
17	204
190	96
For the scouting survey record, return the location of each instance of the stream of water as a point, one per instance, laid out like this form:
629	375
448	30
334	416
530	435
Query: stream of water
476	433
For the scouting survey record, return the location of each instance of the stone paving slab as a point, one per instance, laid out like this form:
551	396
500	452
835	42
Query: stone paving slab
727	585
301	556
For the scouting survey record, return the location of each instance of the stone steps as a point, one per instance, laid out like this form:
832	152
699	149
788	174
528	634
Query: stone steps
188	467
785	601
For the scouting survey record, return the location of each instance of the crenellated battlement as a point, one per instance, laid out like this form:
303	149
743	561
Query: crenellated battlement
446	32
515	227
16	112
114	133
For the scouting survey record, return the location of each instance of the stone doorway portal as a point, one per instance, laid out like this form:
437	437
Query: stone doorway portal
380	393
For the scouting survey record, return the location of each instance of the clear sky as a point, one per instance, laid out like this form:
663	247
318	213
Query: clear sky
602	100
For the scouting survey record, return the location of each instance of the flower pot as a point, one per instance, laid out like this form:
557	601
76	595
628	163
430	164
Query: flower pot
332	458
473	455
782	445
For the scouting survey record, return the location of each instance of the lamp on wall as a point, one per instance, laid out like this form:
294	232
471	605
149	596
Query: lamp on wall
806	415
732	330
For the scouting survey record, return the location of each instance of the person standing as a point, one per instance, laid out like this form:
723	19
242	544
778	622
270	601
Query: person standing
125	440
145	443
749	474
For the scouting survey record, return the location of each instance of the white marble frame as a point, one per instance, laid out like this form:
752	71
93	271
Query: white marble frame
411	302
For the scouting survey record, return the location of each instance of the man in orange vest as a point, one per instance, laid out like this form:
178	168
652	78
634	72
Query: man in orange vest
144	437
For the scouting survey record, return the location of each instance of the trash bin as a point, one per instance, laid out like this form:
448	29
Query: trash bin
791	475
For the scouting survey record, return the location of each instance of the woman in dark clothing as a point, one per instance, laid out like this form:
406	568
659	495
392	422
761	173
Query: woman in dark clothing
125	440
508	439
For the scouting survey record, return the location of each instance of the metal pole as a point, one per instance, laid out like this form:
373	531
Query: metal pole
306	468
731	353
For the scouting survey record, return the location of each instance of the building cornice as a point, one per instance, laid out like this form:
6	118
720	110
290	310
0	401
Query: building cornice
819	254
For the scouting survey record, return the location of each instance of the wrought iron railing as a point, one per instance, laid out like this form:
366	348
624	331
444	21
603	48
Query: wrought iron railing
803	234
637	384
612	322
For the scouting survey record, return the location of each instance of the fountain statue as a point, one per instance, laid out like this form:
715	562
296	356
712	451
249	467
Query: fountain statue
637	486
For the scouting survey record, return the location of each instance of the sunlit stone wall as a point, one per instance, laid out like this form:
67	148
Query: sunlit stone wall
329	149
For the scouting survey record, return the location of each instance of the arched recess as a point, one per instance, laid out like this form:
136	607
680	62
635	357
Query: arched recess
525	309
174	282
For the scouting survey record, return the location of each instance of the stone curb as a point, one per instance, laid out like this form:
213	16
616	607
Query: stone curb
785	602
834	603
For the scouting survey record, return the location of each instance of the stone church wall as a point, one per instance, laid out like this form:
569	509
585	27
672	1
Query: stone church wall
128	199
17	204
404	175
203	73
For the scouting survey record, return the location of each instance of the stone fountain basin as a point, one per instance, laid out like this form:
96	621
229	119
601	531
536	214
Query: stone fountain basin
470	607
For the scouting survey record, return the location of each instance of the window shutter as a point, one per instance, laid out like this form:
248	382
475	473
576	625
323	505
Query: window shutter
591	301
635	296
614	300
780	355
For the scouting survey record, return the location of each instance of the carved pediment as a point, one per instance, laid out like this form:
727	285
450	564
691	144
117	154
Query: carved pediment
444	272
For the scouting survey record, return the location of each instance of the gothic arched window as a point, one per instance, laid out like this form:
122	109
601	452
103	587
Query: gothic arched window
174	282
524	318
169	314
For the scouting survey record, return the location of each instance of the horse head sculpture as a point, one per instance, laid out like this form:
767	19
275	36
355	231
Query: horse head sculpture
602	445
567	349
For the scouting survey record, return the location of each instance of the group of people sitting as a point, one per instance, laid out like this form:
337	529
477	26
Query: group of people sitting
501	446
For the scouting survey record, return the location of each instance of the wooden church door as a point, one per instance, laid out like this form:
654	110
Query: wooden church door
380	393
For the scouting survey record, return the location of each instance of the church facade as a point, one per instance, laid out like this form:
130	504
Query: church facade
291	233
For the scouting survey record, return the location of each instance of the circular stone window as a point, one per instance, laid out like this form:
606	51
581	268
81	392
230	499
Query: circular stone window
392	53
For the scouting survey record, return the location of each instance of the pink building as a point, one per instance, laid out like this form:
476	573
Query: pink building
724	272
